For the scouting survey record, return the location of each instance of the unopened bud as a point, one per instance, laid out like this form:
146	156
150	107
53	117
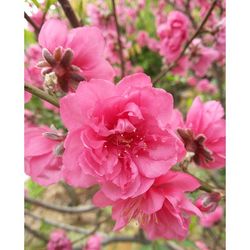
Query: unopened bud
208	202
67	58
59	149
48	57
54	135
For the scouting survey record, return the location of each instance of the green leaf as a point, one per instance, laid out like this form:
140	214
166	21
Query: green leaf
34	190
48	4
29	38
36	3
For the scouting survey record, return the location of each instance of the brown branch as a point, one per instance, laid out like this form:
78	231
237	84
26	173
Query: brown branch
60	209
119	39
69	12
71	193
136	239
189	13
32	23
58	224
41	94
165	71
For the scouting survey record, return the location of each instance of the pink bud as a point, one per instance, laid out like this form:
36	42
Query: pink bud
208	202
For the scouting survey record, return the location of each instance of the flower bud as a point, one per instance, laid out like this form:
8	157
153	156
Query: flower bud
208	202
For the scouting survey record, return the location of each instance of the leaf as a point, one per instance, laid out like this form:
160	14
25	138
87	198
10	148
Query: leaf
29	38
48	4
36	3
34	190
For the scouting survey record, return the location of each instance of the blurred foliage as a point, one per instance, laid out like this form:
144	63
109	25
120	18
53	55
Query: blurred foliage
34	190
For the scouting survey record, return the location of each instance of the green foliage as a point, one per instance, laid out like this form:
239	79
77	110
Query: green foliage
149	60
48	4
36	3
188	244
45	228
43	116
29	38
34	189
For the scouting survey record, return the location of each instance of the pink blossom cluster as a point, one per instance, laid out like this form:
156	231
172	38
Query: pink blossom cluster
93	243
101	16
59	240
126	137
123	138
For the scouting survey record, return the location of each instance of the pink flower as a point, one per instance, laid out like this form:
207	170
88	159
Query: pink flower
220	37
142	38
119	135
181	67
201	245
205	86
73	55
93	243
204	133
162	211
27	96
192	81
43	149
202	57
208	202
209	219
173	34
32	73
37	18
59	241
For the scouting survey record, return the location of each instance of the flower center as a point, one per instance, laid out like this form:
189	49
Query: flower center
127	143
66	74
196	145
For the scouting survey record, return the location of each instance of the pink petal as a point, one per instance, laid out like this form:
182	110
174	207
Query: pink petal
102	70
53	34
87	44
153	201
138	80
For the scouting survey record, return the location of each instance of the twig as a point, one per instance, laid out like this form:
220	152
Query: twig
165	71
61	209
118	39
69	12
35	233
59	224
110	240
173	246
189	13
71	193
41	94
32	23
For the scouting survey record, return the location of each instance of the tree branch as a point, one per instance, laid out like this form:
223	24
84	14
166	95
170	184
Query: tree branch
60	209
58	224
69	12
32	23
165	71
41	94
71	193
136	239
119	39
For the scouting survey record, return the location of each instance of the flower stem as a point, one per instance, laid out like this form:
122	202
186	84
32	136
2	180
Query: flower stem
69	12
42	94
